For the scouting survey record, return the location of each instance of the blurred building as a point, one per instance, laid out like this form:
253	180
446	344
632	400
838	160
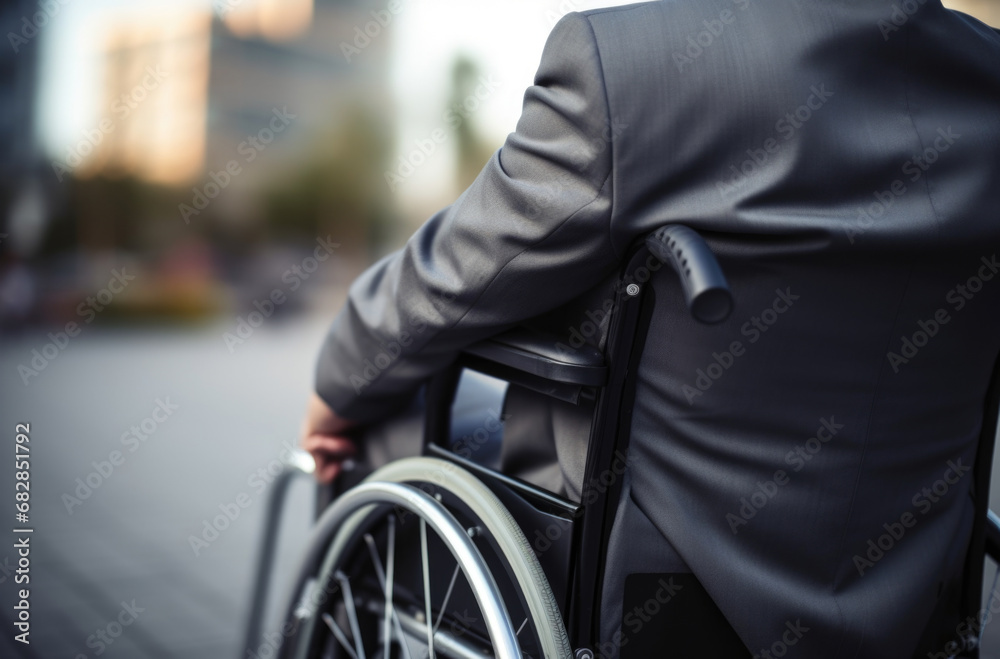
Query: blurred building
152	125
225	132
188	91
23	201
987	11
18	71
289	79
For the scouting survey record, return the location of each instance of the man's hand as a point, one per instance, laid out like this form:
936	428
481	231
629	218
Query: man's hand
323	436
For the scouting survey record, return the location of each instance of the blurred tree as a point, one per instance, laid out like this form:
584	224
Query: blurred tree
339	188
472	150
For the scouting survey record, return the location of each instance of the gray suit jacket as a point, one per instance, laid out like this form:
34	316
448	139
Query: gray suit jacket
806	459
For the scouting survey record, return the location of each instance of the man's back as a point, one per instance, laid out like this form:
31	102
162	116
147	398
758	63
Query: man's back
809	458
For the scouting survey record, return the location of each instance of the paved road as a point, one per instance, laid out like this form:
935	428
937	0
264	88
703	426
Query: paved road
206	421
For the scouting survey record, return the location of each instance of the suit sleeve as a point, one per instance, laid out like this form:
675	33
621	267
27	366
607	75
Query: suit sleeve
531	233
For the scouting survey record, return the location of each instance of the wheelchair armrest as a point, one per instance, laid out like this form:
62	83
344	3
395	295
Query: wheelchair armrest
544	356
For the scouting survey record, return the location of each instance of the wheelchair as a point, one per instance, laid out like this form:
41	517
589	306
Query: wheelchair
470	550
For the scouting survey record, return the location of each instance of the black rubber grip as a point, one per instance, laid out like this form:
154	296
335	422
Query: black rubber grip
705	287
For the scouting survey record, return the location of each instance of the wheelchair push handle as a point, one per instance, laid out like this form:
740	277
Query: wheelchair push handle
705	287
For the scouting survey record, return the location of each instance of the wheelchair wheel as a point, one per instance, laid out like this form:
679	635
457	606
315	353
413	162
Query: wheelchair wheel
422	560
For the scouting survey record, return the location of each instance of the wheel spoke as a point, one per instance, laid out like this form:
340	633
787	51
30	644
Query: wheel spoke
352	613
518	632
390	569
380	573
427	586
338	633
447	596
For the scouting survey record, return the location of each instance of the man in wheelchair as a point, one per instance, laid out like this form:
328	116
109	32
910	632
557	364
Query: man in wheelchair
790	459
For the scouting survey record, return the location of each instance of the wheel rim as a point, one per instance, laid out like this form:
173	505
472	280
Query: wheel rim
359	506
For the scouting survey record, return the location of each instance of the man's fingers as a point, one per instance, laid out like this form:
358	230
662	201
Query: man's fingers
334	447
327	472
322	436
328	452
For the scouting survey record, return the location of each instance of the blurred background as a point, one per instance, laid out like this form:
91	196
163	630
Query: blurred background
187	188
